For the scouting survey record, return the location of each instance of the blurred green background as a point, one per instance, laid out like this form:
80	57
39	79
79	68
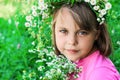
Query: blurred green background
15	40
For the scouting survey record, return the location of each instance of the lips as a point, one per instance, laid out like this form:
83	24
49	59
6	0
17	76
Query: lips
72	51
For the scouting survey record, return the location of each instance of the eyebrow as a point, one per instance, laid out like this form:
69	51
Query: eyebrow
61	26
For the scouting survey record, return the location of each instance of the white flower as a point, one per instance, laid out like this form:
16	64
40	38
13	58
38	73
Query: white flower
118	42
96	8
103	19
44	15
87	0
42	6
34	7
40	77
98	19
41	1
34	13
103	12
108	6
30	51
27	24
93	2
49	58
28	18
40	68
52	53
100	15
33	43
58	70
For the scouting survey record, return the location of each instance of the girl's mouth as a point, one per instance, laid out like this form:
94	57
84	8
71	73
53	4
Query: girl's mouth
72	51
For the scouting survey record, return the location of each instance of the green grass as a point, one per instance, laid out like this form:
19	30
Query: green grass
14	45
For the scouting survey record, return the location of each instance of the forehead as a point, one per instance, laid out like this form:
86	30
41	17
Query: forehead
65	19
63	15
67	15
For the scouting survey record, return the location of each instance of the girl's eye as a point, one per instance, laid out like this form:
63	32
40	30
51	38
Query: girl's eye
82	33
63	31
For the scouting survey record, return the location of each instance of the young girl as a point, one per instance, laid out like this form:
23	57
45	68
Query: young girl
82	38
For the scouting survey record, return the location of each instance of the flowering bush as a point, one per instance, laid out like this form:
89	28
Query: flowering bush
52	67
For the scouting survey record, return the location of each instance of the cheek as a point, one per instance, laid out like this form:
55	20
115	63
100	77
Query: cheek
87	43
60	41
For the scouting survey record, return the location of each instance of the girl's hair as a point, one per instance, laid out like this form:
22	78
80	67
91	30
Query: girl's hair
85	17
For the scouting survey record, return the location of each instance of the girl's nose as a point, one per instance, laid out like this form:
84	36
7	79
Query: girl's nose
71	40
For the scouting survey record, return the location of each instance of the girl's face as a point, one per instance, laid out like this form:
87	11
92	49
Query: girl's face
71	41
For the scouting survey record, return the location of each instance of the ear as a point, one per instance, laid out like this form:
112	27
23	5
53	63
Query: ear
97	34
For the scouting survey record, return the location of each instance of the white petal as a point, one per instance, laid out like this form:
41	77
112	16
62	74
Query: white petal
87	0
108	6
93	2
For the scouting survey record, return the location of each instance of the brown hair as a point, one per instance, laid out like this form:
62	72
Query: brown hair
85	17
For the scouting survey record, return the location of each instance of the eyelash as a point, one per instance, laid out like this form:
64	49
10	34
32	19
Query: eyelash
63	31
80	33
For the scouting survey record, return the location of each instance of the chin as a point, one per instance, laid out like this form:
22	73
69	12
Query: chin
74	60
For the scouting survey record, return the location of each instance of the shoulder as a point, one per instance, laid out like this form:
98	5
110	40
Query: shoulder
102	68
103	73
98	67
99	60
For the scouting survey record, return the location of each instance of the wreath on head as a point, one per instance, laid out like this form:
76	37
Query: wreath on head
100	7
45	7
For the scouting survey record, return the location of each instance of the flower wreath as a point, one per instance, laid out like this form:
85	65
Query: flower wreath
100	7
45	7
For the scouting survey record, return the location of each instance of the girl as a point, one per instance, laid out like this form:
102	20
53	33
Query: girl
82	38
